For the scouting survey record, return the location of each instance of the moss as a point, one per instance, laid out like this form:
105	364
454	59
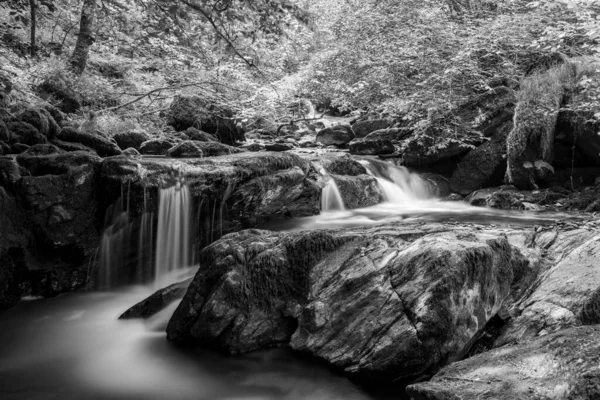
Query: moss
532	137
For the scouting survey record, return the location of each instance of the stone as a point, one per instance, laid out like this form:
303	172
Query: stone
563	365
18	148
156	147
204	114
578	133
568	294
103	146
22	132
393	134
363	128
358	191
200	136
71	146
371	147
339	164
37	119
253	147
337	135
158	301
380	304
42	150
279	147
53	126
57	163
5	135
131	152
131	139
192	148
9	172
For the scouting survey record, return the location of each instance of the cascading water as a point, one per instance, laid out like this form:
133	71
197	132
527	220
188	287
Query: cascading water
331	198
397	184
173	239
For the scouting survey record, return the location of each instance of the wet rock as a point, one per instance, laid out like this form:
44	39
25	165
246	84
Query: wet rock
194	111
200	136
103	146
380	304
338	164
371	147
157	301
38	120
563	365
363	128
358	191
279	146
568	294
505	198
133	139
156	147
22	132
337	135
18	148
71	146
393	134
192	149
131	152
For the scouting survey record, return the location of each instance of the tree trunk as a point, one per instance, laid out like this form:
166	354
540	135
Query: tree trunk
32	10
85	38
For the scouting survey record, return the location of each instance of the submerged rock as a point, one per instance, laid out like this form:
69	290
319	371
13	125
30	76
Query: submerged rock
380	304
157	301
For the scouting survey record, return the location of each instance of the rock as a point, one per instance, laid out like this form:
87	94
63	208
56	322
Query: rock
68	146
37	119
339	164
393	134
337	135
371	147
56	115
578	133
192	148
5	135
217	119
53	126
253	147
504	198
380	304
22	132
363	128
453	197
103	146
133	139
358	191
485	165
42	150
156	147
18	148
131	152
9	172
61	89
157	301
568	294
279	146
425	151
563	365
438	185
200	136
57	163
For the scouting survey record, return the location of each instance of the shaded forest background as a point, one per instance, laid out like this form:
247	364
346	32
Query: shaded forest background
409	60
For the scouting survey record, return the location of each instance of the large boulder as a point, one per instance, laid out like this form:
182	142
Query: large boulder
380	304
101	144
37	119
358	191
337	135
363	128
207	115
22	132
194	149
133	138
156	147
371	147
561	366
200	136
568	294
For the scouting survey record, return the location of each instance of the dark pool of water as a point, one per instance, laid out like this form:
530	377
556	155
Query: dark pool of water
74	347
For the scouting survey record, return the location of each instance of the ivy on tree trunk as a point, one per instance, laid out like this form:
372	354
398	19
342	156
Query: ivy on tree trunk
85	38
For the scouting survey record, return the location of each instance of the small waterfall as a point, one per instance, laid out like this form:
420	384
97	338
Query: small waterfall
331	198
398	184
173	238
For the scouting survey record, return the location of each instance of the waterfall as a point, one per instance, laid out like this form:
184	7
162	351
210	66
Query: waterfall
398	184
331	198
173	238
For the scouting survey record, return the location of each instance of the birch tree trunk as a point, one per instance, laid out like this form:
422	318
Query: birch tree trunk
85	38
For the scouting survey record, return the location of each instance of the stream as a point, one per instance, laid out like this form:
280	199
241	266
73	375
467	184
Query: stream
74	347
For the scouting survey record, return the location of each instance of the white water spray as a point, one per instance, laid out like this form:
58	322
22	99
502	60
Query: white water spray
173	239
398	184
331	198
